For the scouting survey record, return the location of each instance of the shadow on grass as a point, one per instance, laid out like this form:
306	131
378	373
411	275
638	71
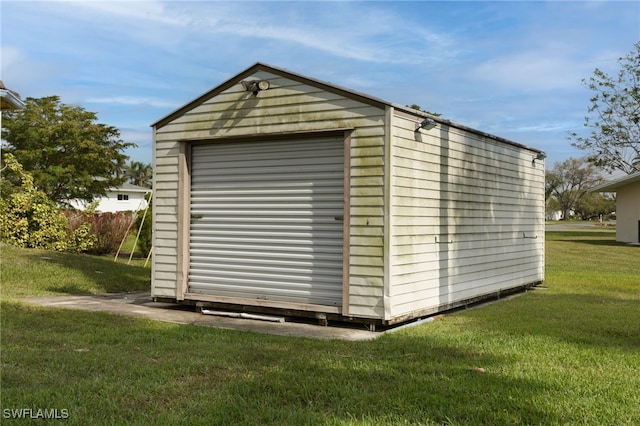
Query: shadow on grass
601	242
69	290
596	238
158	373
88	274
585	320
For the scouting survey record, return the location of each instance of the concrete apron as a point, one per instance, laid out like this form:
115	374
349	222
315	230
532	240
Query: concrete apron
141	305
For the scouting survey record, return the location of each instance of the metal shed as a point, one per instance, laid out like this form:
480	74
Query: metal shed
277	191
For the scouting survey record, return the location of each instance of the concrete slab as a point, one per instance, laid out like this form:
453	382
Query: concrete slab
141	305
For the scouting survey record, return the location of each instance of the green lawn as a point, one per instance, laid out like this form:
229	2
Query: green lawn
47	273
566	354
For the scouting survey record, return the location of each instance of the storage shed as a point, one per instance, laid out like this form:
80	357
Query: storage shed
277	191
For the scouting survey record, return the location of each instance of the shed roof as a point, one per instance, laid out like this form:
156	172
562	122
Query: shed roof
330	87
614	185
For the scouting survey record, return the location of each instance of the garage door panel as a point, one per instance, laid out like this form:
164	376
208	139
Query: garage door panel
267	288
292	251
266	220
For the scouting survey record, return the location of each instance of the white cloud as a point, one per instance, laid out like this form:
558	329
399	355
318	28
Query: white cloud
137	11
131	101
10	56
374	34
531	70
29	76
547	126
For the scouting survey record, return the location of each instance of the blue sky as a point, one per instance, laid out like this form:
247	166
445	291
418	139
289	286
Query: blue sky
513	69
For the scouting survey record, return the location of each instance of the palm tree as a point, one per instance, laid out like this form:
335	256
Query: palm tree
140	174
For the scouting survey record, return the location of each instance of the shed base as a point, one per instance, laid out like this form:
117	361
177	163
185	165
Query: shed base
339	320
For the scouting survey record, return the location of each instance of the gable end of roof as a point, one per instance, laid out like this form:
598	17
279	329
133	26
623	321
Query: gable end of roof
259	66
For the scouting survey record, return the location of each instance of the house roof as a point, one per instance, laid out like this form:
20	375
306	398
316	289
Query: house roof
614	185
128	187
9	99
330	87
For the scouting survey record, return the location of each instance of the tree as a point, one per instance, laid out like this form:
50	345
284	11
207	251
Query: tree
614	143
69	154
593	204
569	181
139	174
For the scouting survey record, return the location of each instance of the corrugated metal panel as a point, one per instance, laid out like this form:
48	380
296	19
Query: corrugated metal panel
267	220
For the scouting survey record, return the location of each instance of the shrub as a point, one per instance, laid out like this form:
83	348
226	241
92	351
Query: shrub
31	220
28	218
80	236
82	239
107	230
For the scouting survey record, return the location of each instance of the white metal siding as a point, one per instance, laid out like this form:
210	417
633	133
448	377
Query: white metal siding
467	217
267	220
165	218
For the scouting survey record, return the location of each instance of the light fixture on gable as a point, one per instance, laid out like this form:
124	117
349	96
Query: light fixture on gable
427	124
539	156
255	86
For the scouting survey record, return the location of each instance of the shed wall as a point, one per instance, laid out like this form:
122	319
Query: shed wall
289	106
467	217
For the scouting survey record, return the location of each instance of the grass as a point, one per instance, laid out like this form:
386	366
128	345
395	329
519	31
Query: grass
47	273
130	243
567	354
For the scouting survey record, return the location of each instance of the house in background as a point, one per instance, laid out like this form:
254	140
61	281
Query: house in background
277	191
553	215
9	100
127	197
627	191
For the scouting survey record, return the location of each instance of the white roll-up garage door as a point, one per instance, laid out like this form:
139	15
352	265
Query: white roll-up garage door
266	220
